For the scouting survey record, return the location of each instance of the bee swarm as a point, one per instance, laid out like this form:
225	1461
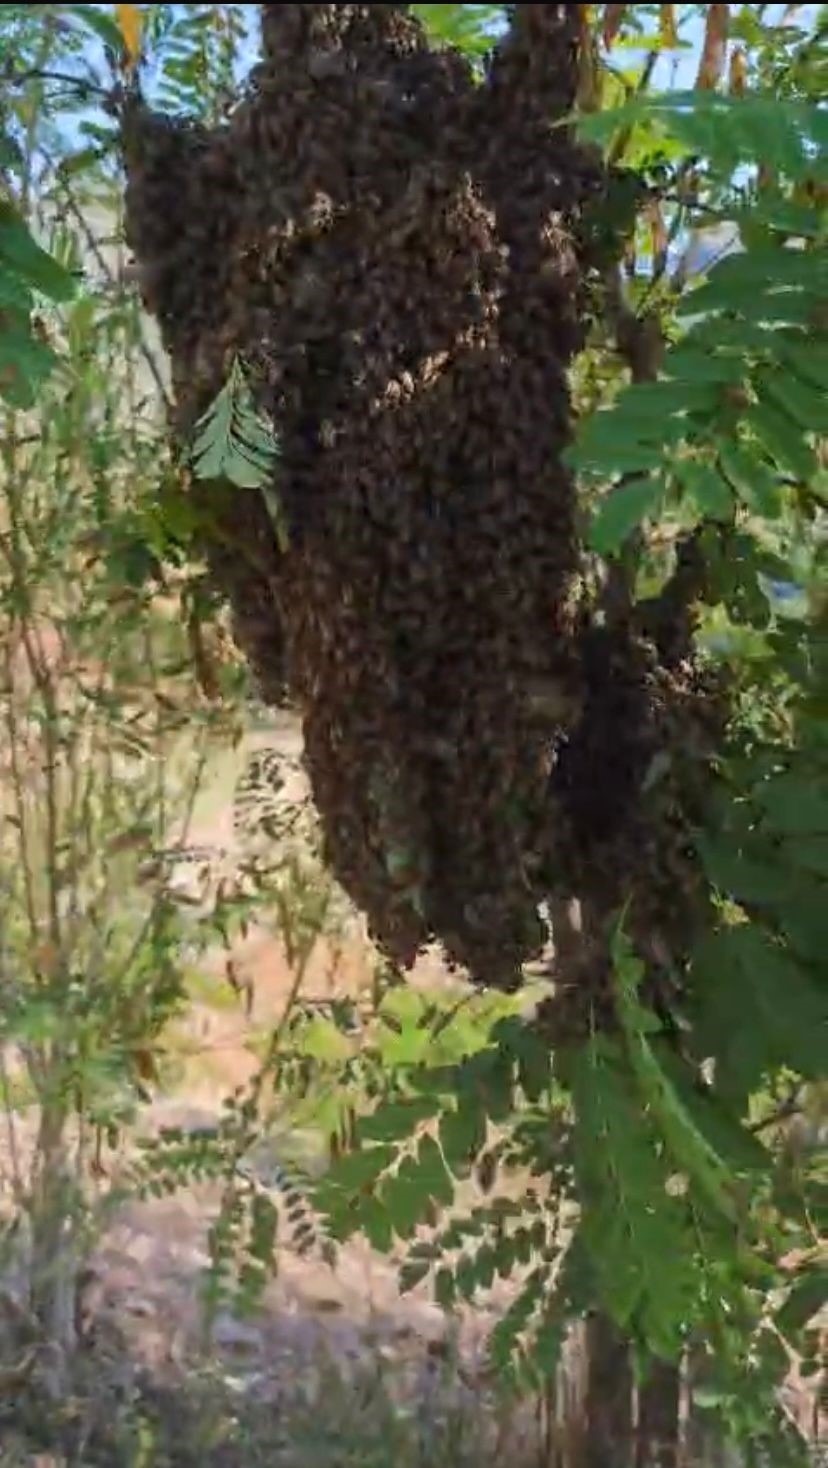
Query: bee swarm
394	251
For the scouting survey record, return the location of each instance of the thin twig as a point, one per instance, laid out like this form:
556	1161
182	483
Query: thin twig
18	787
44	685
619	147
11	1129
789	1107
37	74
103	265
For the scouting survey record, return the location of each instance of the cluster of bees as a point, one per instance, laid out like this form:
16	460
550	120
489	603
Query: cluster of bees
394	249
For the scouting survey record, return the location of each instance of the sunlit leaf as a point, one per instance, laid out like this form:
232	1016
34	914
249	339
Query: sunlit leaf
745	468
104	26
232	441
621	511
21	252
709	492
797	399
130	23
783	440
472	29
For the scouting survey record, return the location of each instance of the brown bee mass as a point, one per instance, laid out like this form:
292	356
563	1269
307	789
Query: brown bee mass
392	248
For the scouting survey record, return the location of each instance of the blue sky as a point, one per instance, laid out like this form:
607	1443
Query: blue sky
674	69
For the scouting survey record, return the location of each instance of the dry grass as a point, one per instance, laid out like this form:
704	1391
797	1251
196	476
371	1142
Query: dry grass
334	1414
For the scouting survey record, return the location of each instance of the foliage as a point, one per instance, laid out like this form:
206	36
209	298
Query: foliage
472	29
197	53
106	731
105	740
729	442
233	442
729	425
26	357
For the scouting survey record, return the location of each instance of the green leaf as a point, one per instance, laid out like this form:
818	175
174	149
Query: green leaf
548	1344
14	295
794	805
488	1077
769	268
376	1225
804	920
232	441
804	405
534	1064
24	363
471	29
702	483
20	251
758	1011
733	1142
806	1298
747	872
466	1276
798	220
102	25
689	1147
630	1222
404	1200
506	1254
10	154
432	1172
355	1170
444	1290
321	1040
506	1334
412	1273
607	446
751	477
396	1121
647	404
808	852
462	1134
783	441
622	510
691	365
726	130
768	305
484	1266
734	337
808	358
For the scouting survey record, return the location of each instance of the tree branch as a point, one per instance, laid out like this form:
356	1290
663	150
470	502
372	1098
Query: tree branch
35	74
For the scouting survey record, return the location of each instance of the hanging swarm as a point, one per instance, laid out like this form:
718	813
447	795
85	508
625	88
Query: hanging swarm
392	249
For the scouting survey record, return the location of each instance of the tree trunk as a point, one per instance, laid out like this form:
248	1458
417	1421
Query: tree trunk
657	1426
609	1397
594	1420
595	1423
53	1261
